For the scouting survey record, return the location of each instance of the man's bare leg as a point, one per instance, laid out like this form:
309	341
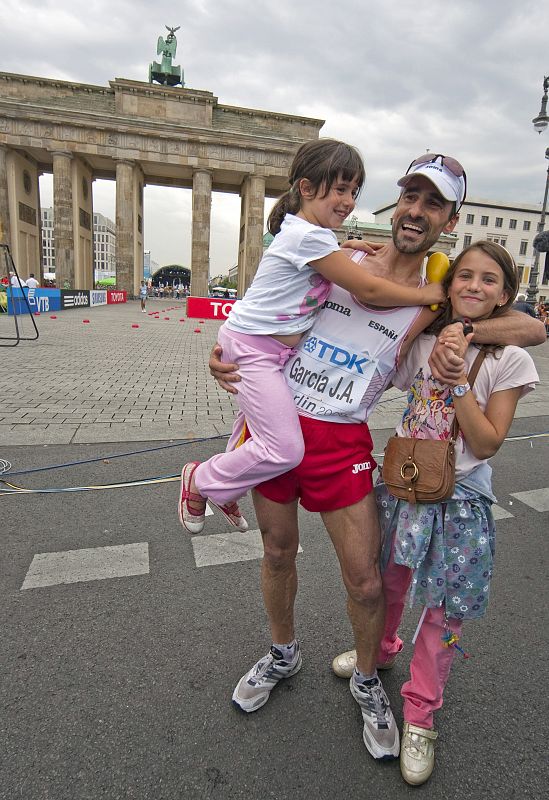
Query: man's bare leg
280	533
278	524
355	534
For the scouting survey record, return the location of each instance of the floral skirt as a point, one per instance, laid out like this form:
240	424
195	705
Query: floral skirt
449	546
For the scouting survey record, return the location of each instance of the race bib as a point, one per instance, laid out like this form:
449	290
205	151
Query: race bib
327	379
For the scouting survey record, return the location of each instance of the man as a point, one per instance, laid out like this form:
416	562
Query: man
338	373
520	304
14	280
31	282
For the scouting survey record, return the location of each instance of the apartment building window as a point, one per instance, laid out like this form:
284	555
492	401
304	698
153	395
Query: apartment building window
484	221
499	222
526	225
512	224
523	246
467	240
470	219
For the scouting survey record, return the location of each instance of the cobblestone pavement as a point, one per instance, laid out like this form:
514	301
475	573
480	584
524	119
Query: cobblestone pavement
106	381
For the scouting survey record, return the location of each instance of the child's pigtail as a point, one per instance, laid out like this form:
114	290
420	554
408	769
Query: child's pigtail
288	203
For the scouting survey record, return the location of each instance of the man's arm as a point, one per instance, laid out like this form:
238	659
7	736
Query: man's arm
514	327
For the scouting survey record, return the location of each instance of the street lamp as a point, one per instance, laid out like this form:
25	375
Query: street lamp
540	123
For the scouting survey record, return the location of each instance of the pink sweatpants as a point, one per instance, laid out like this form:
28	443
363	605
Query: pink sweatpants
267	404
431	661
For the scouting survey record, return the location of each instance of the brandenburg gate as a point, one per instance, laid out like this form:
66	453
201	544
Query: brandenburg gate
135	133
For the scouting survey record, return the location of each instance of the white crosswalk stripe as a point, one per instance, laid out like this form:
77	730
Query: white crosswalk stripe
228	548
90	564
538	499
100	563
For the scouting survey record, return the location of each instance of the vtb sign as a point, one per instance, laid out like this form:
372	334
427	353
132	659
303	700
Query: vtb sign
209	307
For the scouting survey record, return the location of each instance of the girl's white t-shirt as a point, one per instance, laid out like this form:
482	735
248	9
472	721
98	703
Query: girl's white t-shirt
286	292
430	410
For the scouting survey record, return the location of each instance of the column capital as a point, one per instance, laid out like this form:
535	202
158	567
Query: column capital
202	171
65	153
127	161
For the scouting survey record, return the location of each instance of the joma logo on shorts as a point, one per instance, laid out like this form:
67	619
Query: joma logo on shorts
361	467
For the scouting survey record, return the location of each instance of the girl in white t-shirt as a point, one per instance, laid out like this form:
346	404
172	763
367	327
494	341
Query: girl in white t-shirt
442	553
291	284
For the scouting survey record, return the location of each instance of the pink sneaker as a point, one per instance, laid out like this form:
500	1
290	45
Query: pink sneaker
232	514
191	519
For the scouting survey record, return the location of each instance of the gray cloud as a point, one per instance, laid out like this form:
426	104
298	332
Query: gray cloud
393	78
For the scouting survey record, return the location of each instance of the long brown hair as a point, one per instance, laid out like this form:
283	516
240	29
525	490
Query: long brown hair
503	259
322	162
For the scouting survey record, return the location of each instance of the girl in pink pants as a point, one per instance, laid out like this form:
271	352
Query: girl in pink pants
292	282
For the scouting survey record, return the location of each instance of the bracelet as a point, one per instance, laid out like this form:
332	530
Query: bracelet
466	322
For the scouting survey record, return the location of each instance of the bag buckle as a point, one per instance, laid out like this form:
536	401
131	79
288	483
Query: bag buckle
405	469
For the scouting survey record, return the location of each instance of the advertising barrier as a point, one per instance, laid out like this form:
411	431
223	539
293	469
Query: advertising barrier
75	298
209	307
98	297
40	300
116	296
43	300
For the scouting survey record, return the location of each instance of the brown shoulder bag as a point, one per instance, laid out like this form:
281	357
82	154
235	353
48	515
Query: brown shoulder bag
424	470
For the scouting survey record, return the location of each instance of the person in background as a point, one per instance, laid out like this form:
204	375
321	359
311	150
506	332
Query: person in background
31	282
520	304
143	297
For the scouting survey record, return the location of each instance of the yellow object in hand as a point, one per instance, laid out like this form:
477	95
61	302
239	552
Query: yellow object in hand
437	267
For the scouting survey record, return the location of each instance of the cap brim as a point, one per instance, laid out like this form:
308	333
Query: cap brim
441	185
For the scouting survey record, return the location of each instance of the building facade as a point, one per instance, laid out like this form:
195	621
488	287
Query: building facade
104	245
512	226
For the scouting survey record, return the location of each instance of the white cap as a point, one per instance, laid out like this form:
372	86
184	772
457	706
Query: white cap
450	186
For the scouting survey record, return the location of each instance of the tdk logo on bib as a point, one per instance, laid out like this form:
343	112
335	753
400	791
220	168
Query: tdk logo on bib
324	351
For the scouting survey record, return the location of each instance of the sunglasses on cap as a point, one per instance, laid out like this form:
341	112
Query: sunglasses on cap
451	164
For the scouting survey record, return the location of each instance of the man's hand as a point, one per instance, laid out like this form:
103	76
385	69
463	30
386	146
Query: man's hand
367	247
225	374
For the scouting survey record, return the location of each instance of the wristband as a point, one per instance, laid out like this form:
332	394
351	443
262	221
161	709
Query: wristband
466	322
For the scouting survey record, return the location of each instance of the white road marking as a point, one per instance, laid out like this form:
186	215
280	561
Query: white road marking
538	499
500	513
228	548
93	564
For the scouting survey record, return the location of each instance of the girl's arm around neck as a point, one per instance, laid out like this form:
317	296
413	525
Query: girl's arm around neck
369	289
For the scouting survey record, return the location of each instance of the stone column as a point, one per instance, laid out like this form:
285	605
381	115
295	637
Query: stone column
124	225
63	221
5	234
200	250
251	230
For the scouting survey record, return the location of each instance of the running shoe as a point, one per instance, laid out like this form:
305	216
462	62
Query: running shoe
254	688
380	729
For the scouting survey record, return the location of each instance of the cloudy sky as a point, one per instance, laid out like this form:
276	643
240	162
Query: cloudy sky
392	77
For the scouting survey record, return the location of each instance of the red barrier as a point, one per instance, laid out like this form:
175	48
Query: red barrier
116	296
209	307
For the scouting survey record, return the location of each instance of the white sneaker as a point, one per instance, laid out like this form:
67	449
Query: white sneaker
254	688
417	754
380	732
